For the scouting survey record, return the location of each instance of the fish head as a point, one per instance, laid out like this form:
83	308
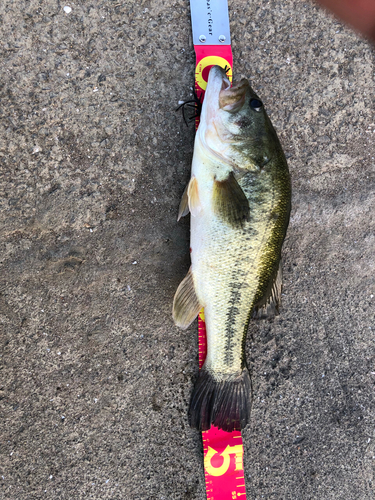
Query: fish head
234	124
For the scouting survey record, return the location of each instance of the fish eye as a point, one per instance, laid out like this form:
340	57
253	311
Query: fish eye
256	104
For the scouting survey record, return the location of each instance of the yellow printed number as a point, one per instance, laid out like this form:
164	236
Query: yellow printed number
210	61
229	450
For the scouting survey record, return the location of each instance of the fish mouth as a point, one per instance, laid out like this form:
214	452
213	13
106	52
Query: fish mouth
217	82
232	99
211	133
220	94
226	83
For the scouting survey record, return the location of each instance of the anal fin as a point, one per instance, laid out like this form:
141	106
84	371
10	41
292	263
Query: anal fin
186	305
269	306
230	202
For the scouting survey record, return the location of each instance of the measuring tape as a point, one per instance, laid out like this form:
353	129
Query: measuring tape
223	451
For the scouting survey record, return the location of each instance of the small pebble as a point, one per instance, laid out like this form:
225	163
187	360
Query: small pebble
67	9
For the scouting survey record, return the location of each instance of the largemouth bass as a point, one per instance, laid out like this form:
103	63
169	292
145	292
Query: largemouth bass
239	199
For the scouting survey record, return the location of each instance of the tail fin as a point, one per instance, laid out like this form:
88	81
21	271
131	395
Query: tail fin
224	403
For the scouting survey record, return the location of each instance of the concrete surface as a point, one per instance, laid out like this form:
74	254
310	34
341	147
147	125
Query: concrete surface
95	378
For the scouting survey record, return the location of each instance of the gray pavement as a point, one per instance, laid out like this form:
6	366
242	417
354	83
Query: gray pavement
96	379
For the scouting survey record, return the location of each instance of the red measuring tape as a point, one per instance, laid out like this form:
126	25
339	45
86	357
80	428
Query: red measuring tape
223	451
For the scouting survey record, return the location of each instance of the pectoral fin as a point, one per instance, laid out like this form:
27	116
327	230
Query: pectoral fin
268	307
186	305
230	202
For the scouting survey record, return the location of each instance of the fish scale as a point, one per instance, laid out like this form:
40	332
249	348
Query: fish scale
214	284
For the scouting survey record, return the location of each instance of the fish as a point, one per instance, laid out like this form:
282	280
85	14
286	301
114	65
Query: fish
239	198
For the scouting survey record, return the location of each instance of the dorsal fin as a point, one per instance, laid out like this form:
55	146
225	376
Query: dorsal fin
183	209
269	305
